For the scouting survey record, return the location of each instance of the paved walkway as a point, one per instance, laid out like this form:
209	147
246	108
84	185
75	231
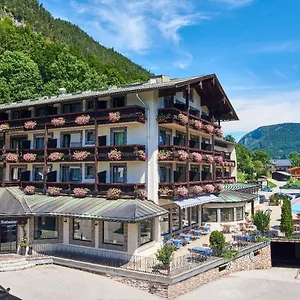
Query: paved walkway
272	284
54	282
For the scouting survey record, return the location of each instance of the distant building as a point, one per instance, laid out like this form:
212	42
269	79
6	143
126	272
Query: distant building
281	164
281	176
295	172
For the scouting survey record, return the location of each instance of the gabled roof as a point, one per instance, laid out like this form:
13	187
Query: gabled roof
125	210
281	162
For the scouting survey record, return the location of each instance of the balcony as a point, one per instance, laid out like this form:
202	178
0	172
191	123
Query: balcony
133	113
206	147
194	176
206	176
194	144
126	152
71	154
227	155
179	176
179	141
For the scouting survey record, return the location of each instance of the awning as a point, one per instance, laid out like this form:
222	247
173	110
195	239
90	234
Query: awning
233	196
124	210
190	202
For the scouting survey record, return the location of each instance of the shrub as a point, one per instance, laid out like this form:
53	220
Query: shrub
261	220
286	222
217	242
166	254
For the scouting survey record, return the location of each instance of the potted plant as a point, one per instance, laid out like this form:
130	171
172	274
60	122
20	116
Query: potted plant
141	194
209	128
114	117
183	119
209	188
30	124
196	157
196	190
23	245
142	154
80	155
53	191
29	157
219	132
54	156
4	126
183	155
164	155
82	120
29	190
12	157
181	192
114	154
217	242
166	254
58	122
80	192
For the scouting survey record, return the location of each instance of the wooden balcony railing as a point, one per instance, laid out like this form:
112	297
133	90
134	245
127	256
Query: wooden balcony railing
128	152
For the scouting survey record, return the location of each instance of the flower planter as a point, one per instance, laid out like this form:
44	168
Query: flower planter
30	124
4	126
58	122
82	120
12	157
209	128
114	117
29	157
53	191
80	155
80	192
114	155
55	156
23	250
29	190
113	194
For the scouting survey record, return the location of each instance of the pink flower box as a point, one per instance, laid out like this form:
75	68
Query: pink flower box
82	120
209	128
58	122
30	124
113	194
197	156
114	154
219	132
29	190
53	191
4	126
80	155
181	191
80	192
196	190
209	158
219	187
12	157
164	191
164	155
220	160
183	119
183	155
197	124
55	156
142	155
29	157
114	117
209	188
141	194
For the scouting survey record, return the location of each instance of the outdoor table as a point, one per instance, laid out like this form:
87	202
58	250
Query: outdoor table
196	231
242	237
205	228
186	236
176	242
202	250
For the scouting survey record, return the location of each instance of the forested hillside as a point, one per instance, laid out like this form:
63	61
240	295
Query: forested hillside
39	54
278	140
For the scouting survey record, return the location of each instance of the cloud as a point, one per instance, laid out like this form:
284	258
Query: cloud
234	3
185	61
264	109
138	25
275	47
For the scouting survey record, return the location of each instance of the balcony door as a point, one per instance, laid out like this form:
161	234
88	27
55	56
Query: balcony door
164	137
71	139
118	136
71	174
16	142
118	101
16	171
165	174
119	174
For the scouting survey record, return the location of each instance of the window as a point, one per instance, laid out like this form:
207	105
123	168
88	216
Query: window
113	233
118	101
168	101
164	137
90	137
165	224
16	142
71	173
227	214
89	171
146	228
165	174
40	111
39	142
119	174
118	136
15	172
82	230
185	217
38	173
239	213
175	218
20	114
72	139
90	105
45	228
72	107
209	215
194	215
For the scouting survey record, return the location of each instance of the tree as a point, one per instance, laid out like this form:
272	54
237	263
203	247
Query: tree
21	74
295	159
262	156
286	222
165	254
230	138
244	161
261	220
217	242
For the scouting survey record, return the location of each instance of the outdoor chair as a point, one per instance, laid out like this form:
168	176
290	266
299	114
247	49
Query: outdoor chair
205	245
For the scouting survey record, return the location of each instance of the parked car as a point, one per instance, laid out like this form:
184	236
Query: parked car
266	189
262	198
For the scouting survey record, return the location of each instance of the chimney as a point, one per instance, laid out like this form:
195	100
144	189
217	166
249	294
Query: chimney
159	79
62	91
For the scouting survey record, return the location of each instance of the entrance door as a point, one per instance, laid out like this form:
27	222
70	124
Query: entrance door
8	236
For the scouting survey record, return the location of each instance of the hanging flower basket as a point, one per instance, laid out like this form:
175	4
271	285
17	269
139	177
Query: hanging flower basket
113	194
80	155
181	191
164	155
219	188
58	122
30	124
142	155
12	157
114	154
219	132
55	156
82	120
220	160
4	126
197	124
183	155
209	158
196	190
164	191
53	191
114	117
141	117
29	190
163	118
209	128
141	194
209	188
80	192
197	157
29	157
183	119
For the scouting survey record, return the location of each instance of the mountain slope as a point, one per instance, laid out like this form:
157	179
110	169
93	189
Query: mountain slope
46	40
279	140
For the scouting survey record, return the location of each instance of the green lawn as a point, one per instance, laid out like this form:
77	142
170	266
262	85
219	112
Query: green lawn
271	184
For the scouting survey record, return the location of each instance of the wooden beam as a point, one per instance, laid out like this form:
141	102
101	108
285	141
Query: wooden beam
45	170
4	163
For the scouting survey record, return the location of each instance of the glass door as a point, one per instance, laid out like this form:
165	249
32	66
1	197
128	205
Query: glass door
8	236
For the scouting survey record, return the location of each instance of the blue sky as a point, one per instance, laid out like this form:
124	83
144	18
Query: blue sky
252	45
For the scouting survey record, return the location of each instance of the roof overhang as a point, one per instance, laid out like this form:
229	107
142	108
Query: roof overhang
190	202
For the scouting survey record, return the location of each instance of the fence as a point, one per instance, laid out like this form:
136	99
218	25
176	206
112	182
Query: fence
137	263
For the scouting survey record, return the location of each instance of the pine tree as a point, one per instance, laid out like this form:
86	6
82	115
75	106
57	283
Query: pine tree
286	222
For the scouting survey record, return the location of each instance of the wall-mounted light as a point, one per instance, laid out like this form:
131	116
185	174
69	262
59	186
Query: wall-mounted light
66	221
96	224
